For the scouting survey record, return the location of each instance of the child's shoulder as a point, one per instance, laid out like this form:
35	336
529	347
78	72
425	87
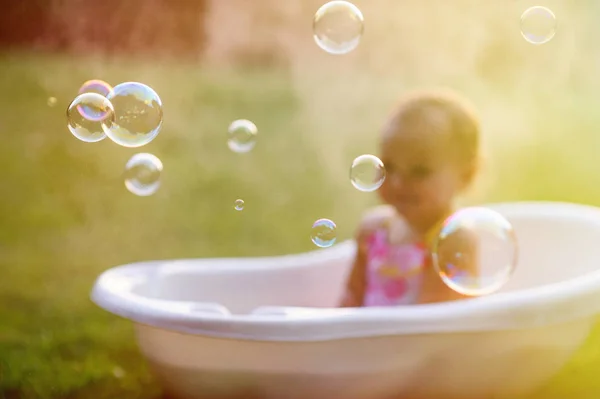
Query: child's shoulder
383	217
377	217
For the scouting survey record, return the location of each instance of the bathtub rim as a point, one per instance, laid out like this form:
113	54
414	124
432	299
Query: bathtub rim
528	308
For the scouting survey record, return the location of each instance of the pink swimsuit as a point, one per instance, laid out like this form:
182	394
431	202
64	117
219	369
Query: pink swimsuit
393	272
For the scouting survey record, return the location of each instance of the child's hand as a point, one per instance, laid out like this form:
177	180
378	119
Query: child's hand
460	250
350	300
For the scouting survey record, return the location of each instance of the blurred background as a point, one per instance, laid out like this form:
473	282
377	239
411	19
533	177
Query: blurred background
65	215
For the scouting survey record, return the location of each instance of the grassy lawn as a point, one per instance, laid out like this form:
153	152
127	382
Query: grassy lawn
66	215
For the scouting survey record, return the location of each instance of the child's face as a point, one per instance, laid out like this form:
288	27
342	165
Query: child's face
422	177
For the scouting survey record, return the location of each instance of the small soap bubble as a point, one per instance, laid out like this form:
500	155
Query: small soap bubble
476	251
93	86
85	129
51	101
142	174
138	115
241	136
323	233
338	27
367	173
239	205
538	25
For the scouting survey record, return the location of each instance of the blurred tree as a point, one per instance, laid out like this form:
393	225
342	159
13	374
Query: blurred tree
22	22
152	27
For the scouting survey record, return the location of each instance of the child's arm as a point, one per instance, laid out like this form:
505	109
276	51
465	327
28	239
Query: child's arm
355	286
463	242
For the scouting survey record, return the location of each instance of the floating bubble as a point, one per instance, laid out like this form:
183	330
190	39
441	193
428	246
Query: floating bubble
367	173
51	101
93	86
138	115
142	174
338	27
84	129
538	25
476	251
323	233
239	205
241	136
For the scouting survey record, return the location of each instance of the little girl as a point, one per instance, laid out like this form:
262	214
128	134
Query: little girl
430	149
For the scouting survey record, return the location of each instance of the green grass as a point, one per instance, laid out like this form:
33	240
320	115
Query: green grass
66	216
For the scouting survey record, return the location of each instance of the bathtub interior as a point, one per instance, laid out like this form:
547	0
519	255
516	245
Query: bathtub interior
552	248
242	285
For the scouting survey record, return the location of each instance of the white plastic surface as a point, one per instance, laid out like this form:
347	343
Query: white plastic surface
293	297
270	326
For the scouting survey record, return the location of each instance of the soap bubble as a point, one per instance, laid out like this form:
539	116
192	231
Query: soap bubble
51	101
142	174
323	233
338	27
239	204
241	136
138	115
476	251
85	129
93	86
367	173
538	25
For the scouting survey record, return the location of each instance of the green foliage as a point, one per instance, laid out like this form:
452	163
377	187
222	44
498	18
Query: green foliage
66	215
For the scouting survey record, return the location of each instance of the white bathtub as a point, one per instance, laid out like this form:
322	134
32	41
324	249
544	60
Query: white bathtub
268	327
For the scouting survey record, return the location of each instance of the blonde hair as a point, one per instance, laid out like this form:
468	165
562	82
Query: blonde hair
443	113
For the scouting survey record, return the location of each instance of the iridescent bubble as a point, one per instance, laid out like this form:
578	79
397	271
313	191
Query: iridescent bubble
538	25
142	174
323	233
84	129
367	173
476	251
241	136
93	86
338	27
138	115
239	205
